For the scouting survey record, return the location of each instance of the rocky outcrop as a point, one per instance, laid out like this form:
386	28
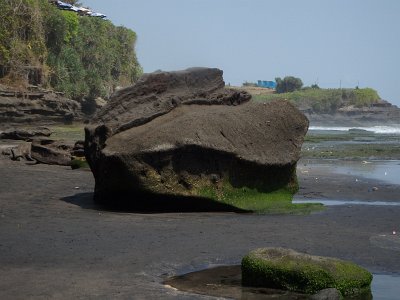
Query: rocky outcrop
182	134
51	152
37	106
378	113
16	150
25	134
286	269
158	93
35	144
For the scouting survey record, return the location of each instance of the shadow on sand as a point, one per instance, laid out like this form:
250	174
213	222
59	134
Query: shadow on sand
153	204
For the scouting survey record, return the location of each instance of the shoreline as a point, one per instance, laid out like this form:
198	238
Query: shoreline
55	243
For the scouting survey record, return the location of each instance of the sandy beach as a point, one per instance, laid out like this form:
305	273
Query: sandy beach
55	243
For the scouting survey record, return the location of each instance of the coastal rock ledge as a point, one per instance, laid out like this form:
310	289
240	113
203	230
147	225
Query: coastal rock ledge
178	138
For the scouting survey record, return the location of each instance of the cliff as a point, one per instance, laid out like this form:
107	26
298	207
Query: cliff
84	57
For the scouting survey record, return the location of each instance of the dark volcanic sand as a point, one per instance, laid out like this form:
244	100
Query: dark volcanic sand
54	243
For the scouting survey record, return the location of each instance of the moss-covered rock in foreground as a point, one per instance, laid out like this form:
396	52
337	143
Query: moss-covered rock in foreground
290	270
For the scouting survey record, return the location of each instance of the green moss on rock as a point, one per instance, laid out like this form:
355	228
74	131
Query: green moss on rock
277	201
79	164
289	270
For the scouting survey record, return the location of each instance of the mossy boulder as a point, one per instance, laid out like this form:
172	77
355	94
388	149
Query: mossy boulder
287	269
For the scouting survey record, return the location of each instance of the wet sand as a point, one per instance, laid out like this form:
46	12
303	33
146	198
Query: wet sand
54	243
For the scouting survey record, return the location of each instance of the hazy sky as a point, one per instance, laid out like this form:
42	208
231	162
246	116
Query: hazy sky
329	42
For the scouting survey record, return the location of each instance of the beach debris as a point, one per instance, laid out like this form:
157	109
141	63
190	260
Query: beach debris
373	189
366	162
394	232
77	187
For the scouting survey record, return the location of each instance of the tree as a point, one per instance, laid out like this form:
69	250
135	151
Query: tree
315	86
288	84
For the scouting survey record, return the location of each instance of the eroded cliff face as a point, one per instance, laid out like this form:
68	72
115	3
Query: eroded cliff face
36	106
182	134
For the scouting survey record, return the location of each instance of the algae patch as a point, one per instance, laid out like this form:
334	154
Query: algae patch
252	200
289	270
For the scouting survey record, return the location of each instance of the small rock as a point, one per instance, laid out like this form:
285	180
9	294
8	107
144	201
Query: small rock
327	294
51	152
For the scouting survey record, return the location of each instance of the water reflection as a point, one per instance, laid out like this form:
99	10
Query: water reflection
349	203
386	287
386	171
225	281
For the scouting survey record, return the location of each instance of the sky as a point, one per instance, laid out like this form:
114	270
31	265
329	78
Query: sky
334	43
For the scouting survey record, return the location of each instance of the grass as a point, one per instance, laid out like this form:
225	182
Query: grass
275	202
324	100
73	132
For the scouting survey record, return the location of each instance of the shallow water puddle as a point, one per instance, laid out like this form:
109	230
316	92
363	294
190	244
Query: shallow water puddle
349	202
386	287
225	281
386	171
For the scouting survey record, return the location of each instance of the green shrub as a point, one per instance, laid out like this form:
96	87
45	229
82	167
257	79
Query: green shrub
79	164
288	84
365	97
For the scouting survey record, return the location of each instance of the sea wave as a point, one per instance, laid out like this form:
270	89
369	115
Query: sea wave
390	129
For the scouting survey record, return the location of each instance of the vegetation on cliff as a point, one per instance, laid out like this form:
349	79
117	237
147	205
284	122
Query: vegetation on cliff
325	100
79	55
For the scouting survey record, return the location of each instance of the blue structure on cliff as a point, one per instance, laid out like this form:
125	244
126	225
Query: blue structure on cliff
266	84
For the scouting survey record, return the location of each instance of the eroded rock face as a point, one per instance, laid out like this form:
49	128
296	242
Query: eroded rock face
36	107
25	134
181	133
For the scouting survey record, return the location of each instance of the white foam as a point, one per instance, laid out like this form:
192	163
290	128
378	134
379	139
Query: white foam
392	129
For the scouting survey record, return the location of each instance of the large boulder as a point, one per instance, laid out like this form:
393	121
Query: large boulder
287	269
183	134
